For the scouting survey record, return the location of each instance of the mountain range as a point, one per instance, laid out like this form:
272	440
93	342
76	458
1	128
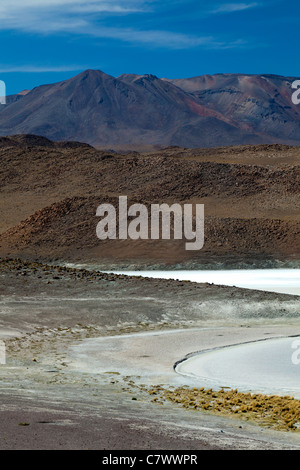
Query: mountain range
131	110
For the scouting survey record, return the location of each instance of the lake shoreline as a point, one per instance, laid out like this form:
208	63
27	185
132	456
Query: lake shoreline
49	309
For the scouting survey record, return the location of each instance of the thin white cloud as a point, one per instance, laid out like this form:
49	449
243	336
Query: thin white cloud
8	8
234	7
105	8
78	17
28	68
154	37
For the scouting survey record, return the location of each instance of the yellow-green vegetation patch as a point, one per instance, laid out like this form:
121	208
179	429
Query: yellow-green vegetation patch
279	412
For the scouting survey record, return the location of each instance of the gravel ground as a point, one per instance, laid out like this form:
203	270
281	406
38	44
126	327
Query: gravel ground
80	344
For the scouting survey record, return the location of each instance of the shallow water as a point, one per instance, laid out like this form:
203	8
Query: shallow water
285	281
268	366
263	366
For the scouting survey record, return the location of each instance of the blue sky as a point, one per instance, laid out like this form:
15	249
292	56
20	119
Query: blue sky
45	41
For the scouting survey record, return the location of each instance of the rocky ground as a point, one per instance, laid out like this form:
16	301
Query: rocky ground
84	349
50	193
54	395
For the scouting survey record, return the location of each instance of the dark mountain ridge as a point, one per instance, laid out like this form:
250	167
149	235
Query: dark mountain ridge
205	111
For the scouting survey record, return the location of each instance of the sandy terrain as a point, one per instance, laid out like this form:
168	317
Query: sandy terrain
79	346
83	349
50	193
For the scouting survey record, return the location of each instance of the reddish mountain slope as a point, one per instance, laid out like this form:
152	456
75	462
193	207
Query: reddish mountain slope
207	111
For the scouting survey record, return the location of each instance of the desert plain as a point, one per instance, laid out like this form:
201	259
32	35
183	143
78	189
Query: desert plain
90	355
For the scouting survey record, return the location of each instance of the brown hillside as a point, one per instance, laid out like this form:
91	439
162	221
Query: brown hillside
49	196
